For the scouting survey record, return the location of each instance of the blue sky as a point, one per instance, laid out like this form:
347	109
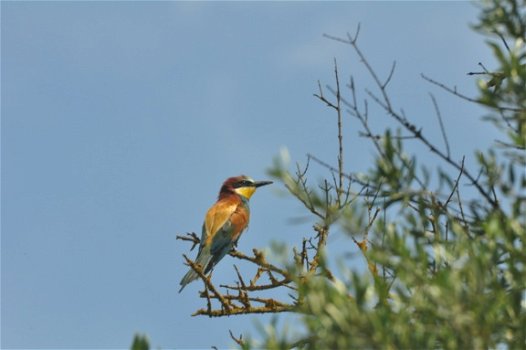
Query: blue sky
120	120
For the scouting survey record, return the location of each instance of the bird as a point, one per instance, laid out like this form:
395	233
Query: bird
224	223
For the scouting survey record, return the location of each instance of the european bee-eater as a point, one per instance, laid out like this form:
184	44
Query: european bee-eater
224	223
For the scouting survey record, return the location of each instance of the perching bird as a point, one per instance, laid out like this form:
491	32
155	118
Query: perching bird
224	223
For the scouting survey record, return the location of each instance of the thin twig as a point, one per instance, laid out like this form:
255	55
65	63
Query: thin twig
190	237
259	259
239	341
365	62
251	288
456	183
467	98
322	239
503	40
391	73
339	190
440	121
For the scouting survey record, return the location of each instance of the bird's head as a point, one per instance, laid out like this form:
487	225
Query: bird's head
241	185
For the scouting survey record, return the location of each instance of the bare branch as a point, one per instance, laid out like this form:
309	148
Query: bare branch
353	40
484	68
239	341
503	40
510	145
418	134
251	288
190	237
456	183
242	311
340	135
467	98
259	259
391	73
442	129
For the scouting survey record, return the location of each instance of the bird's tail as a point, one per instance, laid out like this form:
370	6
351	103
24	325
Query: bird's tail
189	277
202	259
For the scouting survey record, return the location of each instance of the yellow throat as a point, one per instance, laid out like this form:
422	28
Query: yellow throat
246	192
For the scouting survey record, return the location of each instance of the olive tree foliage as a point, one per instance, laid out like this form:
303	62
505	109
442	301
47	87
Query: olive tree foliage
445	247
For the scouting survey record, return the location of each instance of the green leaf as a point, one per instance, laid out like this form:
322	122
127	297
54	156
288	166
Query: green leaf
140	342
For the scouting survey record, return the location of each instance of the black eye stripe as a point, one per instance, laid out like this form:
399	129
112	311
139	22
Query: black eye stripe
244	183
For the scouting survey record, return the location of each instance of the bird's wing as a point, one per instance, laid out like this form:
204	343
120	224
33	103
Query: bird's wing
216	217
224	238
229	232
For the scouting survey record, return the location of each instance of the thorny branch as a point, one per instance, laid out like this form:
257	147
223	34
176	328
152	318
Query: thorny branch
337	107
242	302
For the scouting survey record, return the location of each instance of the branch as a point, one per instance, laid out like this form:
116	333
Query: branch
340	136
239	340
242	302
365	62
442	129
337	107
467	98
190	237
456	184
259	259
418	134
244	311
323	232
208	285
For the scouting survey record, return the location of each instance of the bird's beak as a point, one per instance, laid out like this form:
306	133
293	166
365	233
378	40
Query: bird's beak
262	183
